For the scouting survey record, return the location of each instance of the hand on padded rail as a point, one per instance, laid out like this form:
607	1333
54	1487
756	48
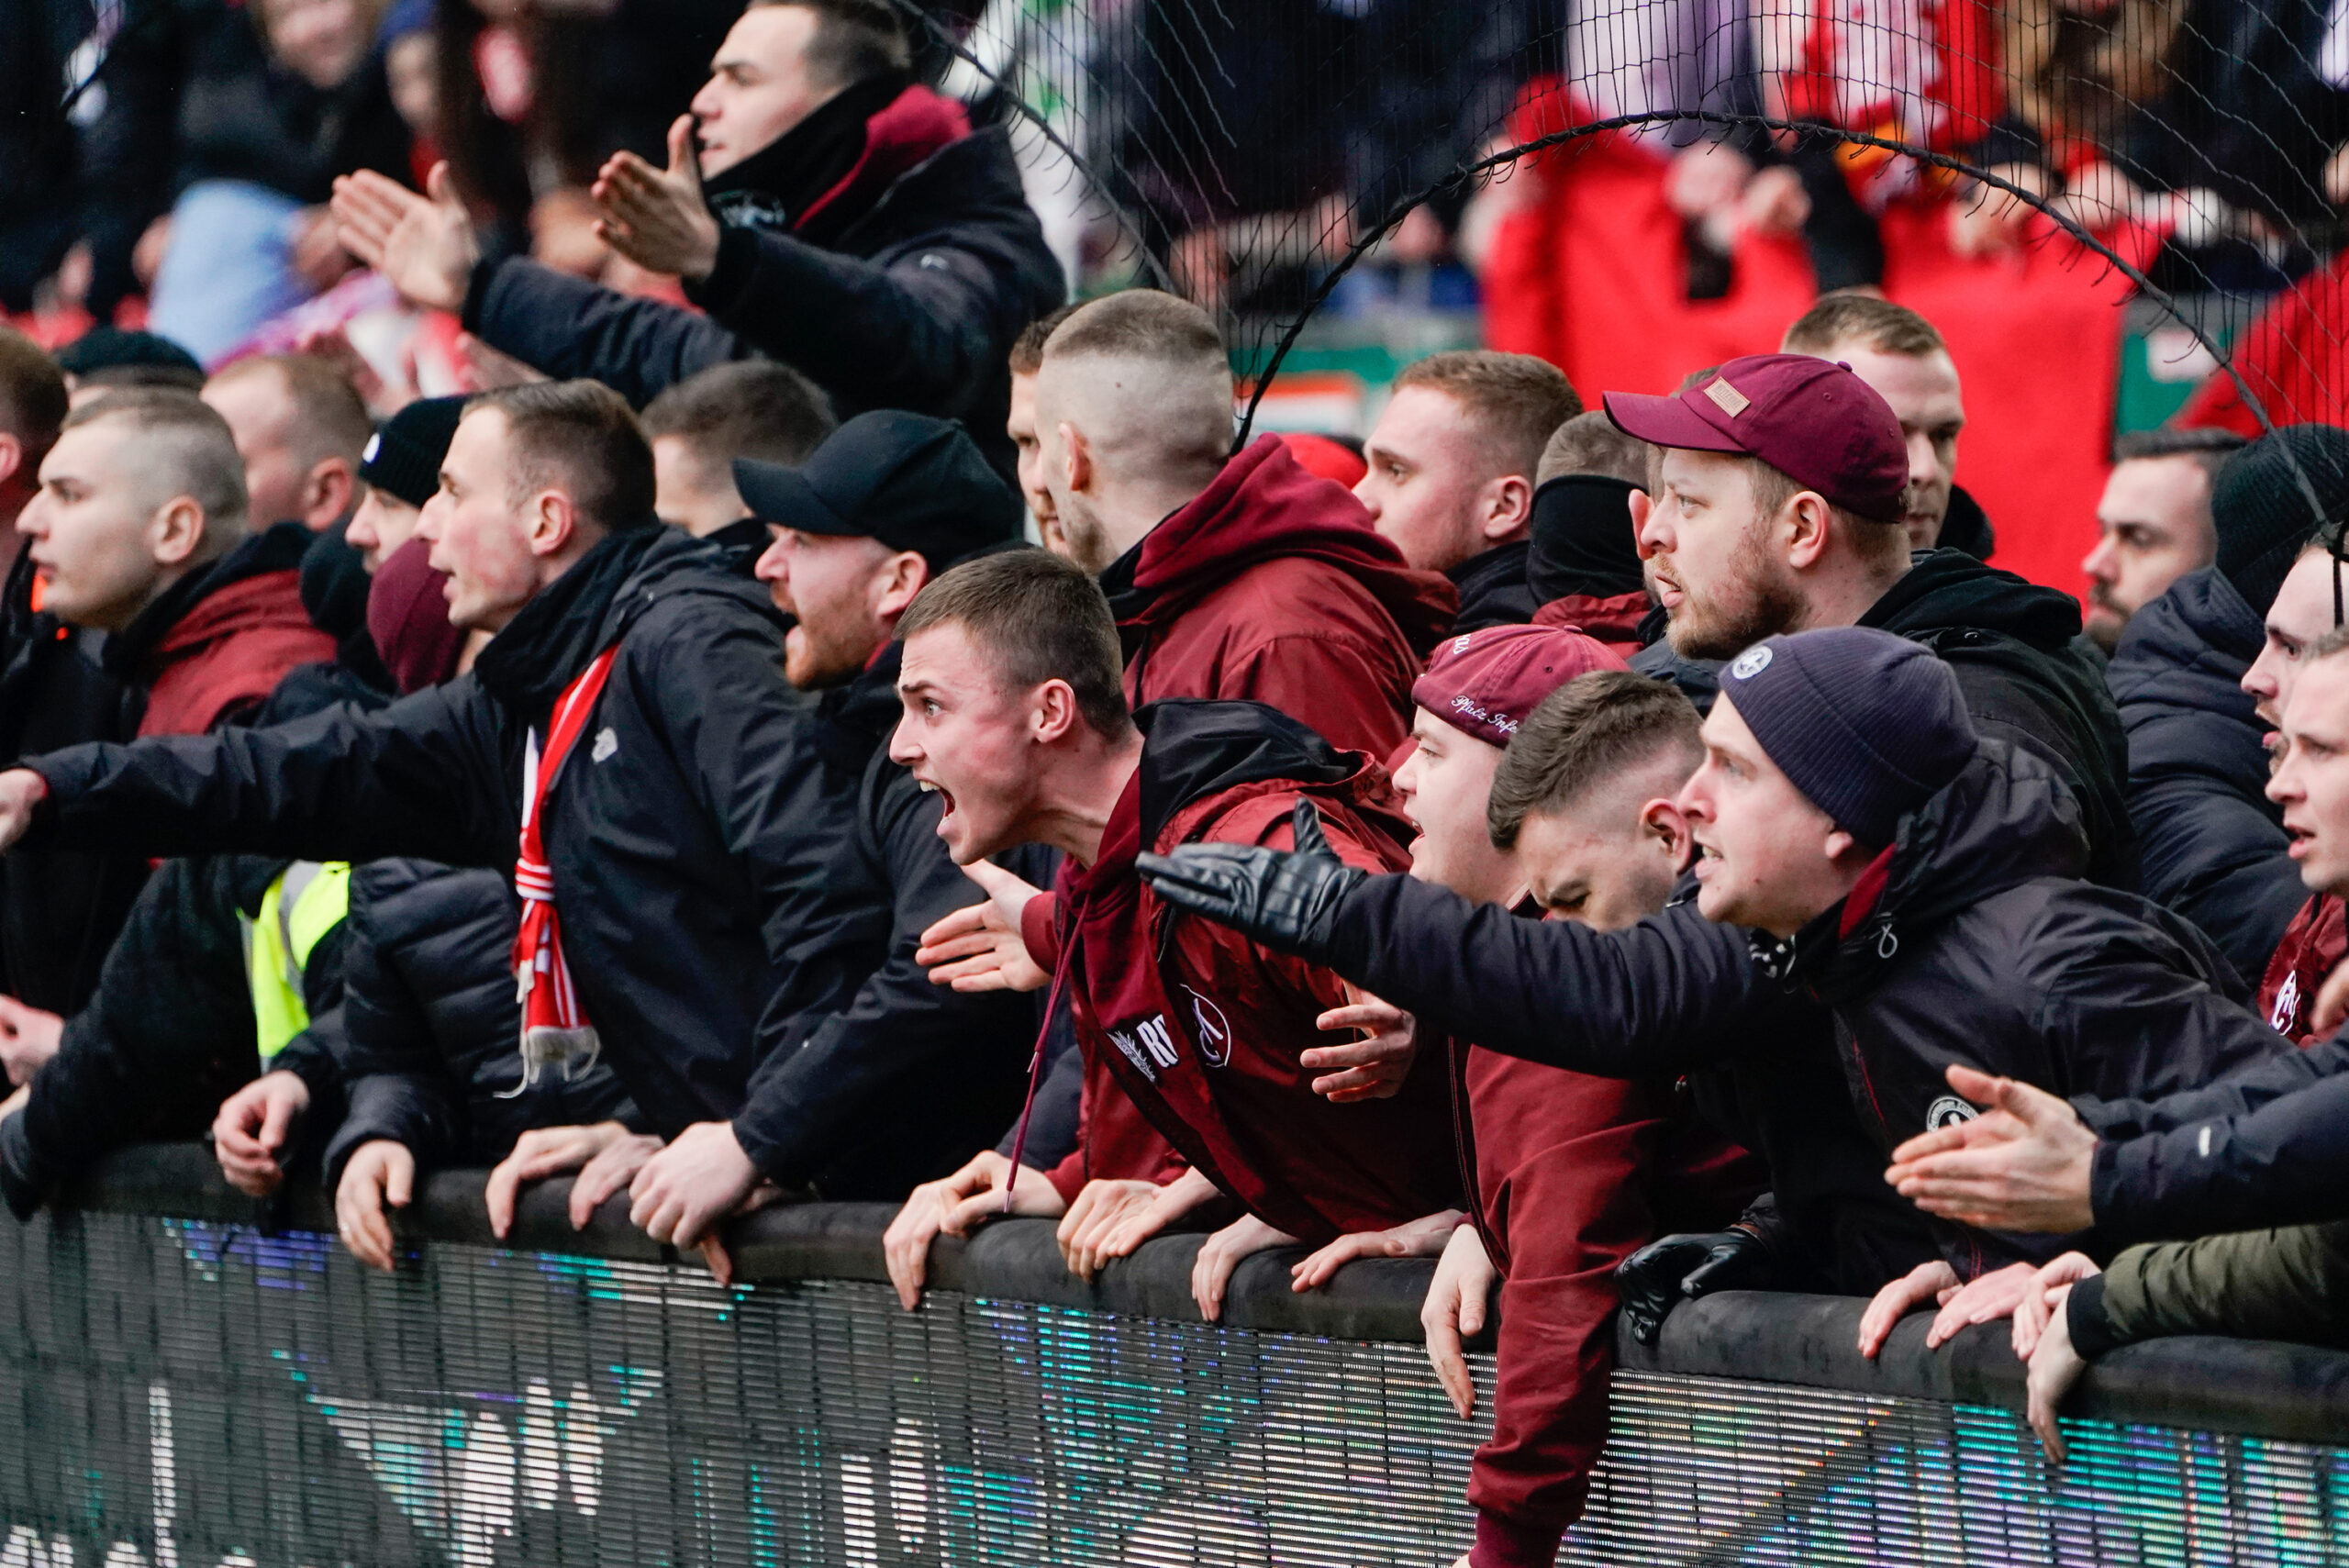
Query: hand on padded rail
253	1127
1286	901
1455	1310
1655	1279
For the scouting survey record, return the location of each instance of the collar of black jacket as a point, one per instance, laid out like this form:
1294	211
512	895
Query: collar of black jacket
865	710
277	549
1965	526
558	634
771	187
1191	749
1948	588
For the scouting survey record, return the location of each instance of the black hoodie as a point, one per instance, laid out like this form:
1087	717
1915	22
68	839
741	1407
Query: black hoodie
693	834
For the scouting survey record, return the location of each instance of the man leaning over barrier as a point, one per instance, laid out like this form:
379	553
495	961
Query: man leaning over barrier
2262	1146
686	904
1192	1039
1920	880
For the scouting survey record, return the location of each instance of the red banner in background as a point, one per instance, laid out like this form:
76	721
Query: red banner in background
1587	270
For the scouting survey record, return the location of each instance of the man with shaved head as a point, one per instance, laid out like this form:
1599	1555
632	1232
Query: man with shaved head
1231	577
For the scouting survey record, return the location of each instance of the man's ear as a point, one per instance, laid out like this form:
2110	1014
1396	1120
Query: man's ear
554	523
12	456
1053	713
898	580
175	533
328	492
1077	463
1810	525
1505	509
1661	825
1846	852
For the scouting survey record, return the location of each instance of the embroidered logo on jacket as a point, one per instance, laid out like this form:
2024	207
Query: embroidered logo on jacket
1210	1030
1948	1111
1148	1045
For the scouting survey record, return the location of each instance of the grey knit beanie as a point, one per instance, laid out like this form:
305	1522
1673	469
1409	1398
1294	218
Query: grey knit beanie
1867	725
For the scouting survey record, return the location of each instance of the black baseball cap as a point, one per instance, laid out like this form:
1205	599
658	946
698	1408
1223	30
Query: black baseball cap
908	480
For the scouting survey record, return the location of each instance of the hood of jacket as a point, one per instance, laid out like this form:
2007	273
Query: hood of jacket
184	616
1494	589
1193	749
1949	589
832	168
559	633
1613	618
1265	503
1965	526
2188	648
2004	820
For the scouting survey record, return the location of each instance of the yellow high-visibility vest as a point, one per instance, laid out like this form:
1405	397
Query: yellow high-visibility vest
309	899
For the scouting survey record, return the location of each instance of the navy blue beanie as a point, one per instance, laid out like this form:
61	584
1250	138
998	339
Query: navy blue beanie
1867	725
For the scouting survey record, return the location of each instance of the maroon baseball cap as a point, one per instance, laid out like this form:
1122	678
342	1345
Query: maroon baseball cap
1811	419
1484	683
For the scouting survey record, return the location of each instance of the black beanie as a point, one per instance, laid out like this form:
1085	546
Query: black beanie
1867	725
403	459
2261	514
1583	542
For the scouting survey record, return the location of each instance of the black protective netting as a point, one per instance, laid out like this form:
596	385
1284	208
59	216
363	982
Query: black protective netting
1251	151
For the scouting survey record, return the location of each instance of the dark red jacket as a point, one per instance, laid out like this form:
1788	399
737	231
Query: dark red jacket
2313	946
216	644
1613	618
1199	1030
1573	1174
1271	586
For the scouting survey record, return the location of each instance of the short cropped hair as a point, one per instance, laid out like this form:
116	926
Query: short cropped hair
1516	400
1589	443
1138	324
855	41
185	447
32	396
754	409
1594	729
330	418
1028	348
1849	316
1873	539
580	436
1042	619
2208	448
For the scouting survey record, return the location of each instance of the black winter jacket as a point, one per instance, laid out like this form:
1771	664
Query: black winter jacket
59	909
2027	677
1982	949
1493	588
905	1081
429	1051
2265	1145
692	835
914	305
2214	850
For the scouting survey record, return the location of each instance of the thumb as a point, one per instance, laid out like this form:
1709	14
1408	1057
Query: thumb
683	165
276	1111
441	186
399	1181
1973	1085
1305	823
2033	1107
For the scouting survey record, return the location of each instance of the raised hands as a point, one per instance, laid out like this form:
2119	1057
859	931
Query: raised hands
979	947
1371	1068
425	246
2023	1164
658	217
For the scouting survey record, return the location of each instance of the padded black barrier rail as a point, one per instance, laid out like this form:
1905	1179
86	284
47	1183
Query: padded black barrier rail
204	1380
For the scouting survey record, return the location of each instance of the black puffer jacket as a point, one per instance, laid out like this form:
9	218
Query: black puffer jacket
693	836
2026	675
2214	848
429	1052
906	1081
2265	1145
1981	948
914	303
59	909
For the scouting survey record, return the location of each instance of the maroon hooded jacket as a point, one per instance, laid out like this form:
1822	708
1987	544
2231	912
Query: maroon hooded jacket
1573	1174
2313	946
215	645
1198	1029
1271	586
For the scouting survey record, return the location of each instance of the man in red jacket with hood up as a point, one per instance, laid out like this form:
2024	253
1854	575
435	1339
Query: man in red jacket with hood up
1014	715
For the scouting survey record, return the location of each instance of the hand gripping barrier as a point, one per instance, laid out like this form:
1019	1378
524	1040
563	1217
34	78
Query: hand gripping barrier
201	1381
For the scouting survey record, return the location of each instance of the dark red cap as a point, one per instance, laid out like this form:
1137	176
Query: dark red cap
1484	683
1811	419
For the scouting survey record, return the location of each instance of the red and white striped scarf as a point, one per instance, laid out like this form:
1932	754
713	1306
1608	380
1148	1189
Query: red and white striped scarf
555	1030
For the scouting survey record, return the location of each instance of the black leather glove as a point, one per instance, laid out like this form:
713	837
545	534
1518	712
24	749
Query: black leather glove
1287	902
1652	1280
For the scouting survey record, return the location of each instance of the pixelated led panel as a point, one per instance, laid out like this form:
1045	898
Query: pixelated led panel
1707	1471
197	1395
